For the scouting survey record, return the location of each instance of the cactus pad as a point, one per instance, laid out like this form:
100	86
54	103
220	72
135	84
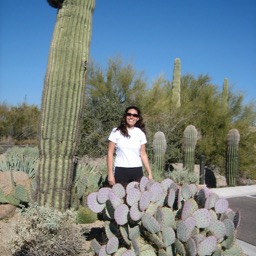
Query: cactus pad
112	245
119	190
121	214
207	246
150	223
102	196
221	205
93	203
133	196
145	200
202	217
135	213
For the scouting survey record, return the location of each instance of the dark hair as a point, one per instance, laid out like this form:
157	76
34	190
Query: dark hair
123	125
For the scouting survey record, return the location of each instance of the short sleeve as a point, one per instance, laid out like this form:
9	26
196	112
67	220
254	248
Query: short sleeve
112	136
143	138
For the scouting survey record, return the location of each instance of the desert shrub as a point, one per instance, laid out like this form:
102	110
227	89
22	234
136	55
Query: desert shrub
45	231
84	215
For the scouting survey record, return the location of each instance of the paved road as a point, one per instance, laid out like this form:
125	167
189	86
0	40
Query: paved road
247	206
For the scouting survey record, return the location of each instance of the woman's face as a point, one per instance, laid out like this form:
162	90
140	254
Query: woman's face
131	117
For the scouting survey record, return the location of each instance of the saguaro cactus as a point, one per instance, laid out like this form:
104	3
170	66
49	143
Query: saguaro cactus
225	95
176	83
159	146
189	145
63	100
233	139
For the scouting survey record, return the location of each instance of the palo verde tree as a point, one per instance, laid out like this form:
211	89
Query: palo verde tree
63	101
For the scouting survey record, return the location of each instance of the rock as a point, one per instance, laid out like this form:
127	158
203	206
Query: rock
7	211
7	187
220	180
19	177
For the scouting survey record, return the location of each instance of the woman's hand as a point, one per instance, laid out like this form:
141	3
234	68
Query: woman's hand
150	177
111	181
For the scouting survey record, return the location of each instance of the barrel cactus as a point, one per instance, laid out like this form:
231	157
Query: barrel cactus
233	139
163	218
189	145
63	101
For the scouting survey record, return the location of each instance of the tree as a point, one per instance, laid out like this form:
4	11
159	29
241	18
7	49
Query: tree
63	101
108	93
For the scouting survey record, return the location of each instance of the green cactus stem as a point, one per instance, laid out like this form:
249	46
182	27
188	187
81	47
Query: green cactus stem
176	83
233	139
63	101
159	146
189	145
225	95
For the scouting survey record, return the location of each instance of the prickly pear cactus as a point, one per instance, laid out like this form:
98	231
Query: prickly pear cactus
163	218
159	147
189	145
232	156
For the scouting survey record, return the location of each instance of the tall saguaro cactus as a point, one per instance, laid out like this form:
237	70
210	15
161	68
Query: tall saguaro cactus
176	83
233	139
225	95
63	100
189	145
159	146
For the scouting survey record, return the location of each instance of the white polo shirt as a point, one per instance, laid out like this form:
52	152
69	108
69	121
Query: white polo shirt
128	149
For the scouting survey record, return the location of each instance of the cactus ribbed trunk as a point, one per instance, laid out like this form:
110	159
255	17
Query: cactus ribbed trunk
232	157
225	95
189	145
159	147
176	83
63	101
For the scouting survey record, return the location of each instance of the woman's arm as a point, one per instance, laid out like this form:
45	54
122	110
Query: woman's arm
144	158
110	157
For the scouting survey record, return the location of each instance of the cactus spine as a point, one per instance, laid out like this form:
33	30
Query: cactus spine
176	83
189	145
63	101
159	146
233	139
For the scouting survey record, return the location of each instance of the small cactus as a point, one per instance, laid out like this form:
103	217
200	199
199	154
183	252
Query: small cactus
159	147
232	157
189	145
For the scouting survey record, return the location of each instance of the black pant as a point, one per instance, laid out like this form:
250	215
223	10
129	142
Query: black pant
125	175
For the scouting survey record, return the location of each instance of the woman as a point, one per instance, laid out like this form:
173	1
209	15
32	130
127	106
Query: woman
129	140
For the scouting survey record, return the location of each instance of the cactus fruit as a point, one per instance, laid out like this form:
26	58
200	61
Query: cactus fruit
162	218
189	145
233	139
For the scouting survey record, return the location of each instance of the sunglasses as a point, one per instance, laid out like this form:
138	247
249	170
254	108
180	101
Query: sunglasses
130	114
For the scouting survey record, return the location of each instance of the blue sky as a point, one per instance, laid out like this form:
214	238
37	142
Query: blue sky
213	37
